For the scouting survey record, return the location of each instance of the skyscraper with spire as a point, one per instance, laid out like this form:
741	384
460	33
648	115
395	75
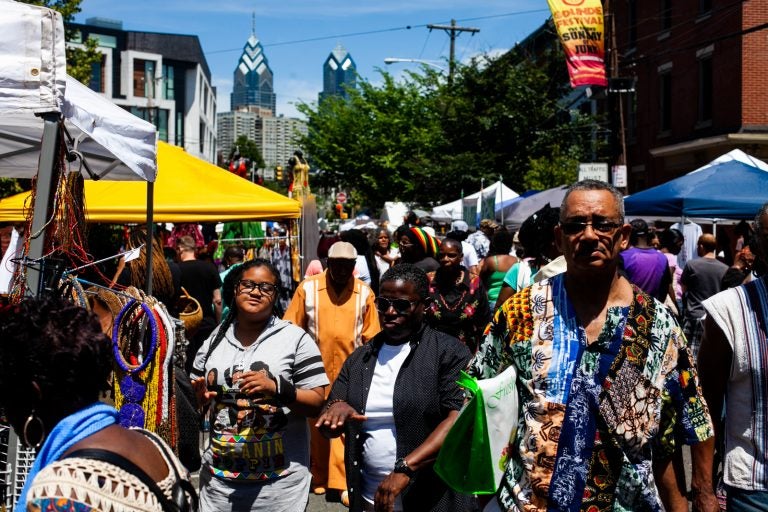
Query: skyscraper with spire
253	89
339	71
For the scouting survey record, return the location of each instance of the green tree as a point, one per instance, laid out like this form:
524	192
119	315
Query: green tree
421	140
553	170
508	112
79	60
385	142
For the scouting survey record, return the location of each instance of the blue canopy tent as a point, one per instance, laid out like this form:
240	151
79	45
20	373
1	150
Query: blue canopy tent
734	186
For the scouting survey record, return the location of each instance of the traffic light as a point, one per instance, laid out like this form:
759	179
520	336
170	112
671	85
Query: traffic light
339	210
279	173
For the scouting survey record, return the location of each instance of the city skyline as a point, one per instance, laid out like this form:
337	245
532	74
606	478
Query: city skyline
297	36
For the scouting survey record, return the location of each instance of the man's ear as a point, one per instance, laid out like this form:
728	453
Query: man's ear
625	231
559	239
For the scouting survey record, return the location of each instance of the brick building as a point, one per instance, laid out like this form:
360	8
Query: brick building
700	70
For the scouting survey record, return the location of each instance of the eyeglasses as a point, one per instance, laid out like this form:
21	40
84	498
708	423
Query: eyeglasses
401	306
603	226
248	286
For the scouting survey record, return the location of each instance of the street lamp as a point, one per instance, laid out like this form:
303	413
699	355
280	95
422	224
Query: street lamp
431	63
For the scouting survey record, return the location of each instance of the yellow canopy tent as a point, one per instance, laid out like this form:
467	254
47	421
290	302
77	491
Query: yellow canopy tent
187	189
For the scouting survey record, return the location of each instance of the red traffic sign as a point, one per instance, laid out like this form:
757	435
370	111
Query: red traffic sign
341	197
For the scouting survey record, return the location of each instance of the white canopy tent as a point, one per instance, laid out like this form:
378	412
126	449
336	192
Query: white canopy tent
41	108
453	210
115	144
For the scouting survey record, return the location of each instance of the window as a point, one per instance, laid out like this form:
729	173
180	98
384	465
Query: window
143	78
180	129
666	15
156	116
631	110
98	75
632	23
705	7
665	100
168	83
705	89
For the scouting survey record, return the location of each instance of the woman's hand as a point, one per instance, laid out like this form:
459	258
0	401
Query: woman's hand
389	489
335	416
258	382
202	394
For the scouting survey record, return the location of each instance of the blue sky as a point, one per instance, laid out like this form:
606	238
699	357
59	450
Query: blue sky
224	26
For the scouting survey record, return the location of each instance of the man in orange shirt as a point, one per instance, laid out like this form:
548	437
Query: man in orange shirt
338	311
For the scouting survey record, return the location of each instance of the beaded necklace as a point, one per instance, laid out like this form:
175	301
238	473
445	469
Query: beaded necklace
143	390
132	385
458	301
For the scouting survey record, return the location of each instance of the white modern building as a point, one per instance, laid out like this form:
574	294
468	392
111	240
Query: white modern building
163	78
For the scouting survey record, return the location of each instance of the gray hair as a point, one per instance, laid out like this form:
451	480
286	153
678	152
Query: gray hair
585	185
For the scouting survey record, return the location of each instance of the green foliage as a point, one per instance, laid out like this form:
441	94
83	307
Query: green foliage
9	187
421	140
384	142
553	170
248	149
79	60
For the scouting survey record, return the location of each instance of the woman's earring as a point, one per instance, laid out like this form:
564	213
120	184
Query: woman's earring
33	418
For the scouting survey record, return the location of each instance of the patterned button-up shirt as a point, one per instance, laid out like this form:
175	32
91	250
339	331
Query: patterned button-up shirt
592	414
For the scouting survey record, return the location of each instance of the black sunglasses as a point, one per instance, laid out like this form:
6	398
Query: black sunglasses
248	286
603	226
401	306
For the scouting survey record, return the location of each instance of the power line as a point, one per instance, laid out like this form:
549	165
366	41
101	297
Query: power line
380	31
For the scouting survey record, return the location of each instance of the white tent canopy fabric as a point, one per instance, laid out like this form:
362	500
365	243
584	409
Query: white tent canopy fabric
453	209
32	58
115	144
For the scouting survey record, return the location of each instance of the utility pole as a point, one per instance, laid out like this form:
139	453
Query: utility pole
453	31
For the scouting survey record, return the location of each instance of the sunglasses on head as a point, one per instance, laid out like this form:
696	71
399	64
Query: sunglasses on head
575	227
401	306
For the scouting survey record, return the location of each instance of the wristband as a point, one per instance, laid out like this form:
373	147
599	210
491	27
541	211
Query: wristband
286	391
330	404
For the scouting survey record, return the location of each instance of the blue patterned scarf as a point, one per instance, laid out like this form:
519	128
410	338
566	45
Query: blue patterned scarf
69	431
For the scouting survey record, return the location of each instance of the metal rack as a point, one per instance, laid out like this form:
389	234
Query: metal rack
15	463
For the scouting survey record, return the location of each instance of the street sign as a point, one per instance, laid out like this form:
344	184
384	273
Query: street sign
341	197
619	173
596	171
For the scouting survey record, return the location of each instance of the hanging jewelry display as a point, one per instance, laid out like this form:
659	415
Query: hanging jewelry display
142	341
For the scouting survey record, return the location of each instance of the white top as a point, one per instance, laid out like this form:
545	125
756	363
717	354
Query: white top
740	313
380	447
470	255
382	264
363	274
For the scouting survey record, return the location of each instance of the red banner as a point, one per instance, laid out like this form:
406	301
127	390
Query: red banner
581	29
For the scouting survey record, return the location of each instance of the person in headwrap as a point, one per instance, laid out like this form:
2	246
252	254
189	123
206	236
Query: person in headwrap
418	248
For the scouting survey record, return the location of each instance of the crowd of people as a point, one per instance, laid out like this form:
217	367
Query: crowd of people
628	340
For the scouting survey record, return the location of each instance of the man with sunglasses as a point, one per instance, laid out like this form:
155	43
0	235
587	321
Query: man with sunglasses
338	312
607	387
395	400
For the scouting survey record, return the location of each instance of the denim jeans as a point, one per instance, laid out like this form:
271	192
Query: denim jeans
742	500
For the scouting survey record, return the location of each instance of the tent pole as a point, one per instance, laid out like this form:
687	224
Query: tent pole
150	233
49	149
501	197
